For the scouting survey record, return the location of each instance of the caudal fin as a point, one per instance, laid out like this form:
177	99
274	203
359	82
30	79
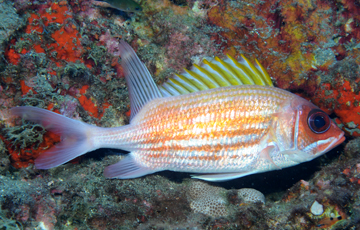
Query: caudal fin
76	135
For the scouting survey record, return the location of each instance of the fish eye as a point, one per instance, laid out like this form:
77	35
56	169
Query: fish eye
318	121
137	8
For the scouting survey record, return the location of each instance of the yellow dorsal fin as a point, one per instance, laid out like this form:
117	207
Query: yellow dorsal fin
255	73
210	77
178	86
230	73
198	80
264	73
186	83
217	73
244	74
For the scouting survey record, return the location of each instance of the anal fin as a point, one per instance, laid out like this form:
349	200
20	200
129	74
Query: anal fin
126	169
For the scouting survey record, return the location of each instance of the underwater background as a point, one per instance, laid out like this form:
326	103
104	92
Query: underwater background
64	56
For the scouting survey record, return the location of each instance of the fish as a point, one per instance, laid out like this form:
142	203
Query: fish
218	121
123	5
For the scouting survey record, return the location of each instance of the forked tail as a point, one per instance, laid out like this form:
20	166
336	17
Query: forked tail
76	136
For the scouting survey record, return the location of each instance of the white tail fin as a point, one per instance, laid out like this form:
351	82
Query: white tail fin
76	135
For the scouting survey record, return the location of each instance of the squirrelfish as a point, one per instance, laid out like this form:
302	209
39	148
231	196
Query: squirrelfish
221	120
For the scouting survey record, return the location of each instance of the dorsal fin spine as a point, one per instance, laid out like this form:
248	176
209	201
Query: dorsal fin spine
264	73
178	86
219	73
229	72
164	92
245	76
203	77
169	88
199	81
191	88
256	74
209	76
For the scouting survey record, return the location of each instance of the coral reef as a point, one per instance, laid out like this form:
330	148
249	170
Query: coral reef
10	23
63	55
249	195
26	142
207	199
214	201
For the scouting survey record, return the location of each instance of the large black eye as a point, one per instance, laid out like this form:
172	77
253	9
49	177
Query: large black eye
318	121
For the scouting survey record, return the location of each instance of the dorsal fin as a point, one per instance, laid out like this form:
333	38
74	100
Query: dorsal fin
217	73
141	85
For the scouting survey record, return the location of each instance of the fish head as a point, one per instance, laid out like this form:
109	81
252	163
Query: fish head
134	8
314	133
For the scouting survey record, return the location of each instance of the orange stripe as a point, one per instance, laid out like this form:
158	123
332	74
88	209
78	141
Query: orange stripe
165	129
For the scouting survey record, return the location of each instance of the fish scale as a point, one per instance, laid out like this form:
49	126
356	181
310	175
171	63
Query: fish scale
205	121
236	127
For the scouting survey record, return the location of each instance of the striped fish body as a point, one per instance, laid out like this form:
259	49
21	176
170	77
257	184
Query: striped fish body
214	131
204	121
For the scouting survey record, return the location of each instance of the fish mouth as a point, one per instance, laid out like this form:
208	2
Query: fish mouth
340	139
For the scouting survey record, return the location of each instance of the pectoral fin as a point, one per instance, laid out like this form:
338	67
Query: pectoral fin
265	154
269	141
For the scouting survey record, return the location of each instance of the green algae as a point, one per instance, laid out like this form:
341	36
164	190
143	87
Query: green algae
25	135
8	224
